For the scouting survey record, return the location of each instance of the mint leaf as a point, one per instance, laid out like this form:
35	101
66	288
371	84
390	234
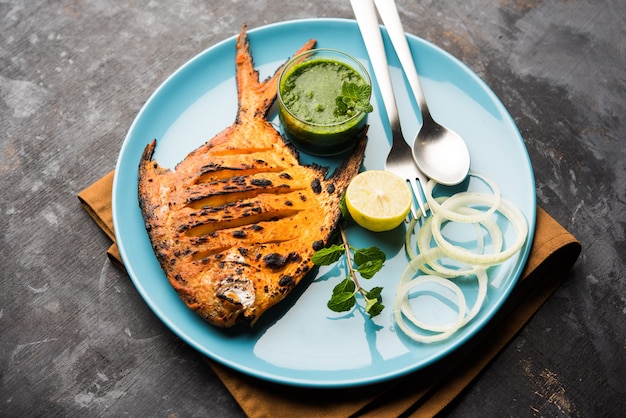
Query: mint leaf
364	107
350	90
364	255
341	302
346	285
327	256
375	293
373	302
373	308
354	98
370	268
341	108
343	296
363	101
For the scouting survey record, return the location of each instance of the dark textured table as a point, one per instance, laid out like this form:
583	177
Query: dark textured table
76	337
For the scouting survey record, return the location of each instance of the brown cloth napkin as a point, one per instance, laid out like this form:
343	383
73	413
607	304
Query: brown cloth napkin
423	393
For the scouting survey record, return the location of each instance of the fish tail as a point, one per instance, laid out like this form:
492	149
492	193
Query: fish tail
255	97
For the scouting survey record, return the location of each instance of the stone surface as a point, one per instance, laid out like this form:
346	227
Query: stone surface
76	337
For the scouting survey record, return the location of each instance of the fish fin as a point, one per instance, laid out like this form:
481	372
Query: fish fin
255	97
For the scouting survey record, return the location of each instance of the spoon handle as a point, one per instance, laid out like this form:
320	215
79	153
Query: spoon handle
391	19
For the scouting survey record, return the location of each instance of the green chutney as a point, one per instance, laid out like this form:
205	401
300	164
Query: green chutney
307	93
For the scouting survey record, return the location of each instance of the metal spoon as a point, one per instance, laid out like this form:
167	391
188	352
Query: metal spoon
439	152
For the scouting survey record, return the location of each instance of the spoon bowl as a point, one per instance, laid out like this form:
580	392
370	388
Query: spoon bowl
439	152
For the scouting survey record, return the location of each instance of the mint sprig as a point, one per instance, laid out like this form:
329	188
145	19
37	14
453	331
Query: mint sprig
354	98
365	261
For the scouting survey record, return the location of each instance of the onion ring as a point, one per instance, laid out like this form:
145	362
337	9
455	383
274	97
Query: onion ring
435	207
513	214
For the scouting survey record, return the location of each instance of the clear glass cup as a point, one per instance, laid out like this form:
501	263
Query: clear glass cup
307	91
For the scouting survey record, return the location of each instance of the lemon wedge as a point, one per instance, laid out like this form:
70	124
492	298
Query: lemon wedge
378	200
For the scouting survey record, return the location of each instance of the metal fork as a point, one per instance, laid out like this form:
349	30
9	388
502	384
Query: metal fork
400	158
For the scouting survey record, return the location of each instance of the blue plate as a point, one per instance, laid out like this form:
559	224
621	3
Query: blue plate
300	342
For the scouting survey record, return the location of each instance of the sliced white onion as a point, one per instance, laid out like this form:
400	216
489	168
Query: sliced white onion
402	308
433	248
512	213
416	264
402	300
425	235
450	214
483	280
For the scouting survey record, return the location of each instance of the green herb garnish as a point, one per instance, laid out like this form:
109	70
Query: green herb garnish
366	261
354	98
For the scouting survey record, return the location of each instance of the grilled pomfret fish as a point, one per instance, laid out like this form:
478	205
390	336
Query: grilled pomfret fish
235	224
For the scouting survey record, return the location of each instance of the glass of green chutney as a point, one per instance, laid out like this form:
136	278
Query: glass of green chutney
323	101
